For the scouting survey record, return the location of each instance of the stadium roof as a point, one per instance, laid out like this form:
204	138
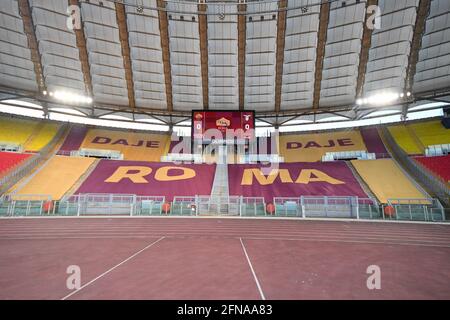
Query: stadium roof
285	59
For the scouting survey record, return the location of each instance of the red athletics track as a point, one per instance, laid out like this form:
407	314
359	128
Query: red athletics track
213	258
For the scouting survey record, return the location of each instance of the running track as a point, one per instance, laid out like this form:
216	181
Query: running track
212	258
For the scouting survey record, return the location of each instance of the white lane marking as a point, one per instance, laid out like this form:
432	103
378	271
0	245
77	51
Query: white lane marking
111	269
261	293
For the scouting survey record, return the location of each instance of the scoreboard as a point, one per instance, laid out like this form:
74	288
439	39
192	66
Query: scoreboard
223	121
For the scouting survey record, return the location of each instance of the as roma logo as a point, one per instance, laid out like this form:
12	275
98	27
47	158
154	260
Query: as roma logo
247	117
198	116
223	122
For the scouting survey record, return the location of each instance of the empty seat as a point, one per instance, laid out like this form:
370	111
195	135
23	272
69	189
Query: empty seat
56	177
440	166
387	180
10	160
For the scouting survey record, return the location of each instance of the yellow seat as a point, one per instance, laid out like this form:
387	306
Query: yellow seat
57	177
42	137
404	139
386	180
431	132
16	130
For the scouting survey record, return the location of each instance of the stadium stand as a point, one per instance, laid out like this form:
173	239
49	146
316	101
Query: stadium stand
149	178
43	135
10	160
311	147
16	130
133	145
386	180
56	177
74	139
373	141
440	166
32	135
415	137
294	180
405	140
431	132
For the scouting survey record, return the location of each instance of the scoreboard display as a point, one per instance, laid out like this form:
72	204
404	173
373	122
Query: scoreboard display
223	121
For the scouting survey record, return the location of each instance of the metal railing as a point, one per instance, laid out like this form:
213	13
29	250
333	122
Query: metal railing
252	206
330	207
300	207
414	210
217	205
288	207
184	206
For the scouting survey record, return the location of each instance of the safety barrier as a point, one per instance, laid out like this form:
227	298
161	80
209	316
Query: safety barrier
329	207
253	206
184	206
300	207
414	209
218	205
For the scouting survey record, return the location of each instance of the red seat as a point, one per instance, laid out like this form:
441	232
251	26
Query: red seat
440	166
10	160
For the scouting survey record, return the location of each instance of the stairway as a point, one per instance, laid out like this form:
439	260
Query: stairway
219	202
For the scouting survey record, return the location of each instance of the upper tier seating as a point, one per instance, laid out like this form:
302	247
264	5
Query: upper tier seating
294	180
149	179
415	137
10	160
438	165
56	177
387	180
133	145
32	135
42	136
431	132
311	147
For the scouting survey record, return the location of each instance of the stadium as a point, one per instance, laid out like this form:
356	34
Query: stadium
225	150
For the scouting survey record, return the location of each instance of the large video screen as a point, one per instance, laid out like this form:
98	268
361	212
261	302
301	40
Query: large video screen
223	121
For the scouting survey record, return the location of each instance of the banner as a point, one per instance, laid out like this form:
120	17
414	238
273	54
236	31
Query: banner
150	178
311	147
133	145
294	180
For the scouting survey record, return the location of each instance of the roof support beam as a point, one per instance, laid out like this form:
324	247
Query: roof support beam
242	36
203	32
164	33
320	51
83	54
28	26
281	31
123	36
419	28
365	47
